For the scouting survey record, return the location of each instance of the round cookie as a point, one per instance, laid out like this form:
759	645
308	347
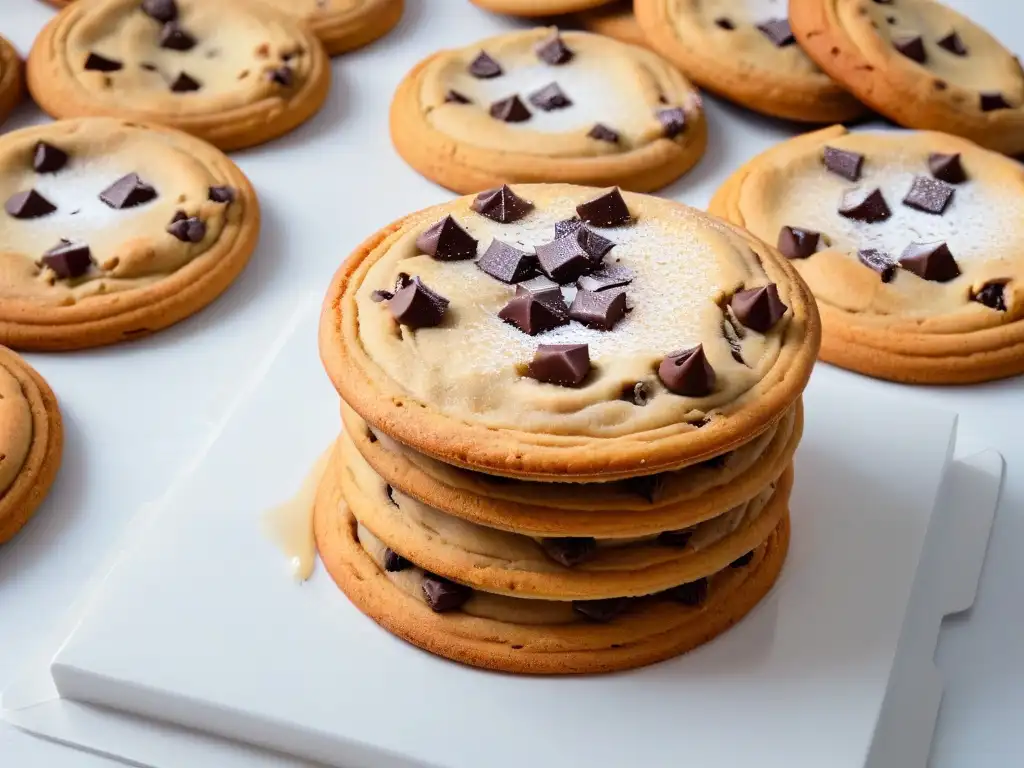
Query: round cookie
31	442
535	636
909	242
113	230
615	20
538	105
747	54
919	63
533	8
11	79
343	25
711	335
235	74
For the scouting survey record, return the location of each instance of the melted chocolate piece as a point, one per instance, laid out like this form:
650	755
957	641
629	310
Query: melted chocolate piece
759	309
843	163
687	372
778	31
174	38
878	261
187	229
911	46
484	67
992	295
161	10
550	97
673	121
222	194
569	550
47	158
416	306
283	76
28	205
607	210
444	595
564	364
447	241
992	100
931	261
394	562
864	205
501	205
953	44
506	263
796	243
510	110
184	84
68	259
929	195
598	310
97	63
603	133
454	97
947	168
128	192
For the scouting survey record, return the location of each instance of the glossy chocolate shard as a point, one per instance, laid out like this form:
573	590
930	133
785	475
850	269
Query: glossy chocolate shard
778	31
510	110
160	10
687	372
454	97
96	63
600	310
759	309
990	101
947	168
447	241
222	194
501	205
554	51
68	259
992	295
28	205
564	364
867	205
47	158
931	261
569	550
693	593
911	46
843	163
533	314
879	261
603	133
444	595
484	67
394	562
507	263
929	195
602	611
417	306
550	97
953	44
563	259
184	83
673	121
128	192
607	210
613	276
796	243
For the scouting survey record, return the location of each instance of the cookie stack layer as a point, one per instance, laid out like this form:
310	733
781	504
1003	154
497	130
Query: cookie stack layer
570	416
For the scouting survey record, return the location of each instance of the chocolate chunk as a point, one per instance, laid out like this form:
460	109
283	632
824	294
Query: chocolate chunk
148	66
128	192
283	76
590	241
992	100
563	259
843	163
184	83
554	51
379	296
416	306
602	611
673	121
447	241
444	595
759	309
678	538
161	10
550	97
454	97
501	205
607	277
742	561
992	295
484	67
98	63
603	133
28	205
174	38
723	23
693	593
637	394
564	364
68	259
953	44
539	286
510	110
911	46
687	372
947	168
929	195
932	261
796	243
188	229
394	562
46	158
222	194
506	263
608	210
778	31
569	550
598	310
864	205
648	487
878	261
533	314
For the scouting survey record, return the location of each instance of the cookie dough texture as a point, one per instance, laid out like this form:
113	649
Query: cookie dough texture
718	45
615	20
855	41
537	7
464	148
455	392
12	76
343	25
141	277
251	74
963	330
31	441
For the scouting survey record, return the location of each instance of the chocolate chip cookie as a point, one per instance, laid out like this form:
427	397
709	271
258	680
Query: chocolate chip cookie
235	74
908	241
113	230
343	25
919	63
540	105
747	54
11	79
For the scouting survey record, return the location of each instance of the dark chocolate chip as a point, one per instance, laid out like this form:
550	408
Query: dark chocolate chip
569	550
648	487
188	229
724	23
598	310
554	51
28	205
607	277
510	110
931	261
759	309
379	296
174	38
992	295
539	286
742	561
843	163
68	259
953	44
506	263
564	259
128	192
550	97
602	611
416	306
185	83
394	562
687	372
47	158
590	241
911	46
501	205
929	195
678	538
864	204
564	364
98	63
444	595
533	314
778	31
454	97
883	2
447	241
992	100
673	121
878	261
796	243
692	593
637	394
222	194
607	210
484	67
283	76
603	133
890	19
148	66
947	168
390	491
161	10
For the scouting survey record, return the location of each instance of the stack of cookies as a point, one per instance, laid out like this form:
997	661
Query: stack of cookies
570	416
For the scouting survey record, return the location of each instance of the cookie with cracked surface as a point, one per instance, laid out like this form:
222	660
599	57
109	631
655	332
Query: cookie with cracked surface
747	54
495	370
540	105
113	230
344	25
31	442
537	8
12	76
908	241
919	63
235	74
615	20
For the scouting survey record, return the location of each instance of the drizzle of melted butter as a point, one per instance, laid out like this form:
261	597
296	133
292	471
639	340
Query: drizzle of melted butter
290	525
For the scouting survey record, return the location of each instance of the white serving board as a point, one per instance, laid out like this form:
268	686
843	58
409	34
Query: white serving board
199	624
